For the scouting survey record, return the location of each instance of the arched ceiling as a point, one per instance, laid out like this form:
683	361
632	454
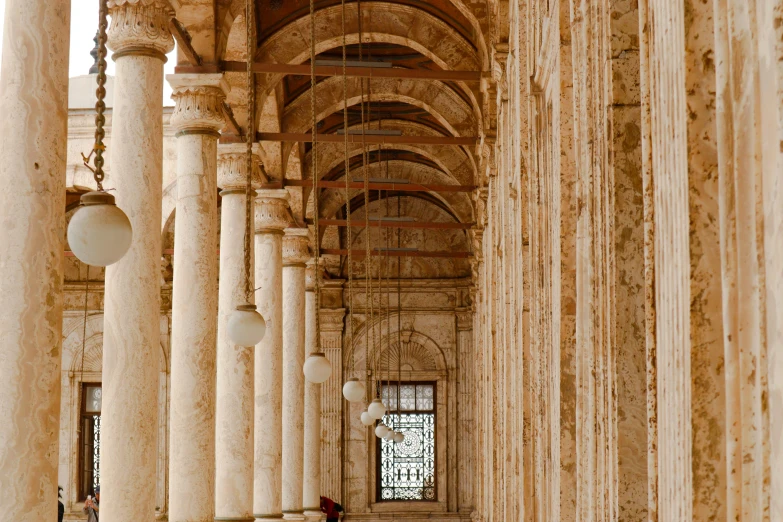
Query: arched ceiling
429	35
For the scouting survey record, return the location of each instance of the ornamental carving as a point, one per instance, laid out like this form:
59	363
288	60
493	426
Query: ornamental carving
332	319
197	108
296	247
139	26
464	320
232	166
271	211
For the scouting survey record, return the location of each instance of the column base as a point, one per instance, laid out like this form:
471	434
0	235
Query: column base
235	519
268	517
312	515
294	515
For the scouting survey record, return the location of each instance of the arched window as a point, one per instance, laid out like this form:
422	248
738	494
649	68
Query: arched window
407	470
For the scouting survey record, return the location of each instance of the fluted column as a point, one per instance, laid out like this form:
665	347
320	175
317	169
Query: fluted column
234	408
332	327
140	38
33	131
197	118
296	252
465	408
271	218
311	497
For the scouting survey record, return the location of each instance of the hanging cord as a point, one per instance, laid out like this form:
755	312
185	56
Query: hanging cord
367	259
99	148
399	320
349	236
249	137
316	211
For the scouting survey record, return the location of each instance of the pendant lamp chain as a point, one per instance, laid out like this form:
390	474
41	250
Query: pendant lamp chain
100	106
348	233
250	24
316	211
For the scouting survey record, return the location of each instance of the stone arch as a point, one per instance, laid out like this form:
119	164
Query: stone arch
230	10
443	360
408	356
456	162
459	204
443	103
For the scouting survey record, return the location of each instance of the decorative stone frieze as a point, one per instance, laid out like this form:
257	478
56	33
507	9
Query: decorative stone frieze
140	27
232	166
271	213
296	247
199	102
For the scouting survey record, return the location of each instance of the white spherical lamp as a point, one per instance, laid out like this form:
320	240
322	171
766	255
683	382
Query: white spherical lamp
398	437
389	435
367	419
377	409
353	390
246	327
317	368
381	430
99	233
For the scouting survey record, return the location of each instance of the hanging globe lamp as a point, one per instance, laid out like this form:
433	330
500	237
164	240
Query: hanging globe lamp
353	390
99	233
246	327
317	368
367	419
398	437
381	430
377	409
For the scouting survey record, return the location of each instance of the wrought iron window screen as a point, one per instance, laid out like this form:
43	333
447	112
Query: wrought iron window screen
90	440
406	471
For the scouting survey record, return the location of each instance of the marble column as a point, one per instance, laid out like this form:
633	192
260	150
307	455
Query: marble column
234	409
465	408
131	345
296	252
197	118
34	108
271	218
311	497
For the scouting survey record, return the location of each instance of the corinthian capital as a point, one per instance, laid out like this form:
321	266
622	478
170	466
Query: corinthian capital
140	27
232	166
296	247
199	102
272	211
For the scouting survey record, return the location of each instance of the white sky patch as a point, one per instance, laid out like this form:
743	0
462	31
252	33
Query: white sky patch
84	24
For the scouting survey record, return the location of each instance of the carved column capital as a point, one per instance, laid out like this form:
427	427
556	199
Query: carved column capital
199	102
296	247
271	212
332	319
464	320
232	166
140	27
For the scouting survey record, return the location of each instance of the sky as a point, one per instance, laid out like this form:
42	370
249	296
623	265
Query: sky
84	24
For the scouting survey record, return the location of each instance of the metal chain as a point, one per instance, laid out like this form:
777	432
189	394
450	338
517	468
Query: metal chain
100	106
367	259
249	138
314	155
349	237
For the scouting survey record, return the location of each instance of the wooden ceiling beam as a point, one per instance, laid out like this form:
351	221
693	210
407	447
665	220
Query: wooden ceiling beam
358	253
356	72
304	137
434	225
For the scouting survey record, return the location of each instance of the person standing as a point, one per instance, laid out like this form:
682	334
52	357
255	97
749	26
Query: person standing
91	508
60	506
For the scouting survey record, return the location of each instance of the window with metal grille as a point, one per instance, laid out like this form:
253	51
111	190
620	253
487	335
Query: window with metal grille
90	440
406	470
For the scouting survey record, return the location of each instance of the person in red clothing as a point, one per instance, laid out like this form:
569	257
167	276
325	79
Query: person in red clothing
331	508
